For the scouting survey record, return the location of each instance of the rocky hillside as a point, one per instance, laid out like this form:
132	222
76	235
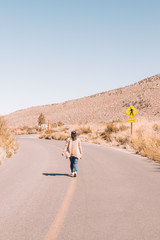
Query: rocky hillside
107	106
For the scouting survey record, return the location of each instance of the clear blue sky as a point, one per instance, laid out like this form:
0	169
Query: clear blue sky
54	51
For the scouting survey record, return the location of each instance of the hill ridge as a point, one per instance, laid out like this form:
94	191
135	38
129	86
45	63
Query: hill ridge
108	106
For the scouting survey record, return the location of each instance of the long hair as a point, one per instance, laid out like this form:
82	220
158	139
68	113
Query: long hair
73	135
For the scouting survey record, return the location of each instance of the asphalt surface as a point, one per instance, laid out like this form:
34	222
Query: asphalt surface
116	195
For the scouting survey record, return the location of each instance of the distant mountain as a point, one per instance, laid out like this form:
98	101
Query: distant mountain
103	107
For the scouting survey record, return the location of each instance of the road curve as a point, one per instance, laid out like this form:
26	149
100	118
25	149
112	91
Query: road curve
116	195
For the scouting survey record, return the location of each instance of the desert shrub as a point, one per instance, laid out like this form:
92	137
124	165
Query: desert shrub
64	129
106	136
53	134
60	124
123	128
84	130
123	140
54	125
30	130
7	139
147	144
110	128
156	127
47	134
60	136
25	130
50	131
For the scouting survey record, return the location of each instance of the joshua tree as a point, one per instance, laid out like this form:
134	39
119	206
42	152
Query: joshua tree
41	119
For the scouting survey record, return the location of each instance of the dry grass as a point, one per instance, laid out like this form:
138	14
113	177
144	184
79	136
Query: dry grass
85	129
145	139
47	134
58	133
60	123
108	131
7	140
25	130
60	136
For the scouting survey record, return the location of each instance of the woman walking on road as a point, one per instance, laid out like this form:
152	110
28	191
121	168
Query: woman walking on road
73	151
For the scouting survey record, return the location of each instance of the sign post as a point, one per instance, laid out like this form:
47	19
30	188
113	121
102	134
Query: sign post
131	112
48	125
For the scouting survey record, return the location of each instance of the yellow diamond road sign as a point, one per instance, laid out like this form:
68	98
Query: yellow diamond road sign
131	111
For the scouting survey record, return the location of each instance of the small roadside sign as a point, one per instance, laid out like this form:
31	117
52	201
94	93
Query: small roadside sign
131	111
131	120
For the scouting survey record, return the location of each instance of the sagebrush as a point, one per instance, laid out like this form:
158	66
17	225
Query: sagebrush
7	139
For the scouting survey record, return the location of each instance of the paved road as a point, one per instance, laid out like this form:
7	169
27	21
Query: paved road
116	195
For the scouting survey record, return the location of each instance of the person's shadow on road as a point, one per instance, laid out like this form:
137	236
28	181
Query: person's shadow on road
56	174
